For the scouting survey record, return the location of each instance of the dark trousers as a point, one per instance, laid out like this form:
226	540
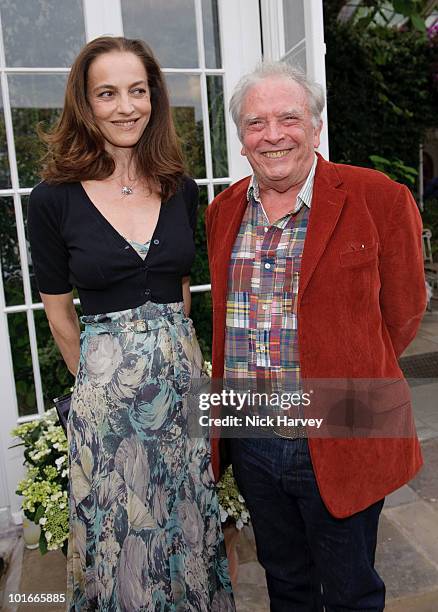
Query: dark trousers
313	561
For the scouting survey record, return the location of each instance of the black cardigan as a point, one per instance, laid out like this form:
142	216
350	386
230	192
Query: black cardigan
73	245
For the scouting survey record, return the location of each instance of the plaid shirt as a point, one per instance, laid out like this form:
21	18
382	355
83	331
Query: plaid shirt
263	279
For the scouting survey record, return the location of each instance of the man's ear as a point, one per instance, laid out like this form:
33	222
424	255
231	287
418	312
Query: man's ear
317	134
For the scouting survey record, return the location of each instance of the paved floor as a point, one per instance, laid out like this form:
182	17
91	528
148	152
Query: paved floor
407	554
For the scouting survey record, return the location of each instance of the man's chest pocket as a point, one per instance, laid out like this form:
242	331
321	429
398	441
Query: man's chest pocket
359	255
292	269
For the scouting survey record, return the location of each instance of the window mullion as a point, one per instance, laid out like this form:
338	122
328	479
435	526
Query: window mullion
102	18
21	234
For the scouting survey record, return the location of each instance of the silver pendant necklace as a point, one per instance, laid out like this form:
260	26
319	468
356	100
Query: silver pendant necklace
127	190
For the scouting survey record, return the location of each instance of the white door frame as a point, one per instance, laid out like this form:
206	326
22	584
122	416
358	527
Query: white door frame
274	46
241	51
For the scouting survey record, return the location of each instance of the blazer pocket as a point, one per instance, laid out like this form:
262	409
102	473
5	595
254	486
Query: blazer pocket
359	256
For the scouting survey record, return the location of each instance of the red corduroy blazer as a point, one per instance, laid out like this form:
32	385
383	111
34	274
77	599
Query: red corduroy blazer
360	302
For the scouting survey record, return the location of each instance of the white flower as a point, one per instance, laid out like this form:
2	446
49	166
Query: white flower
239	524
48	536
60	461
224	514
43	520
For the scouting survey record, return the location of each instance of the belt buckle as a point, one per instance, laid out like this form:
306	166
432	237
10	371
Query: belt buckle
140	326
289	432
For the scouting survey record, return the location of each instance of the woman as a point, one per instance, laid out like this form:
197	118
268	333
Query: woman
114	218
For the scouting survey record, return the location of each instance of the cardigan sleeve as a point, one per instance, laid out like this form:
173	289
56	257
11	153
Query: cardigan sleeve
49	252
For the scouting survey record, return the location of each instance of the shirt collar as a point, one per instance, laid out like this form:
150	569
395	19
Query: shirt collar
304	196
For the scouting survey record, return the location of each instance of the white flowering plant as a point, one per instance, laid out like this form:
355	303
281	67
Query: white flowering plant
231	503
44	489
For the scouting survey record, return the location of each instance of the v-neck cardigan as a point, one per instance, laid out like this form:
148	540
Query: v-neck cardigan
73	245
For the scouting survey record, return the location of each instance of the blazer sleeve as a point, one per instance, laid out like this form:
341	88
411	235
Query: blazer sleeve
403	287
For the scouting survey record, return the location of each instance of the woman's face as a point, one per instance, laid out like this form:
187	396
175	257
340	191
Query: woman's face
119	97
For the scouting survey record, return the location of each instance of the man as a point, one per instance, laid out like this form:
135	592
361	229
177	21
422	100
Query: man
317	273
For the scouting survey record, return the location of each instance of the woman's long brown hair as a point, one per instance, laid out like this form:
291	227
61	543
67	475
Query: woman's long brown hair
76	148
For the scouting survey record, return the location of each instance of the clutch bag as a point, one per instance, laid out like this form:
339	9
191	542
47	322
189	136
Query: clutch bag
62	405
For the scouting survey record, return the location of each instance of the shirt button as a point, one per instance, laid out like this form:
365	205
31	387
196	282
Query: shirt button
267	266
262	349
156	241
266	229
265	307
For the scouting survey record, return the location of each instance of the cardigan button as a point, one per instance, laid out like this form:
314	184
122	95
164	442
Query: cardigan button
147	293
156	241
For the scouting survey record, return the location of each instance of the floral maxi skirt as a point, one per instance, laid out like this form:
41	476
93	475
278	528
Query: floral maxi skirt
144	517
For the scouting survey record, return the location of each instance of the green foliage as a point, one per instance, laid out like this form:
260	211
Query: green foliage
381	93
201	312
44	489
368	13
231	503
395	169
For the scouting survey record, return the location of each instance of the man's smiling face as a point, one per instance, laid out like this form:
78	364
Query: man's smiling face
277	133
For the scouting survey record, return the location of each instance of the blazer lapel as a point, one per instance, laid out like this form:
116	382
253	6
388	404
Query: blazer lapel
229	221
327	202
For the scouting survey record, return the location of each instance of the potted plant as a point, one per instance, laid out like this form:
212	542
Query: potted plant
234	515
44	489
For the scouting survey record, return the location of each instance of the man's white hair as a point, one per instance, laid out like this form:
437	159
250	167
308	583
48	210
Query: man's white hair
314	91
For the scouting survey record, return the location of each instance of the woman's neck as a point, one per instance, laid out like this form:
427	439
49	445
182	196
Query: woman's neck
124	164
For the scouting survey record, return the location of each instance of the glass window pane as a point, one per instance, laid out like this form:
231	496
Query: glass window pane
200	273
297	57
22	363
218	135
9	255
219	188
168	27
201	302
55	377
34	99
293	14
33	285
5	177
212	44
42	33
185	95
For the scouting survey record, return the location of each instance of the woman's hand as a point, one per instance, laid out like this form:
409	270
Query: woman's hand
187	297
64	325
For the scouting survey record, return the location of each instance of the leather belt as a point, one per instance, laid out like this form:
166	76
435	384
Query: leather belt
290	432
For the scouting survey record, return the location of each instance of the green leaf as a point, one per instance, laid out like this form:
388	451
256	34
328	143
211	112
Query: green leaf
39	513
378	159
43	543
418	23
404	7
